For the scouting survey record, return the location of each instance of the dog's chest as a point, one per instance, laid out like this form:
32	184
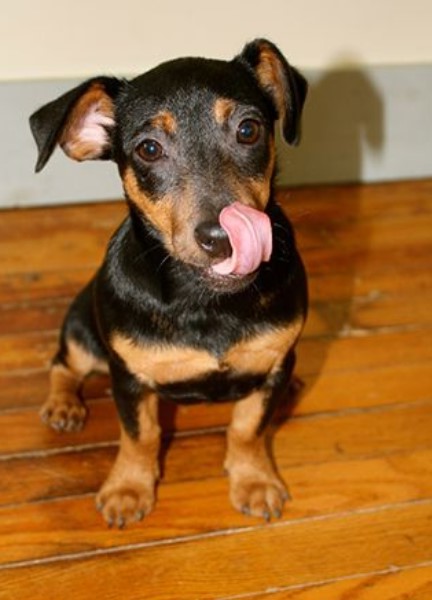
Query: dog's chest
165	365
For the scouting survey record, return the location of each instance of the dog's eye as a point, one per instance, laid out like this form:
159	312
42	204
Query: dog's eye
248	132
149	150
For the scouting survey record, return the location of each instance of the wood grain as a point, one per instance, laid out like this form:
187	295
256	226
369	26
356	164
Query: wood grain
213	567
395	584
354	446
332	487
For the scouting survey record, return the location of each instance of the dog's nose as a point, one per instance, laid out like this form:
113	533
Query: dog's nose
213	240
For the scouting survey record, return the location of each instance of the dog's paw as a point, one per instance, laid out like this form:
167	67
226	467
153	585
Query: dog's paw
125	502
258	494
64	412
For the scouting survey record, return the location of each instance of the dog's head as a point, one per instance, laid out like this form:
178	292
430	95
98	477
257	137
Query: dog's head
194	143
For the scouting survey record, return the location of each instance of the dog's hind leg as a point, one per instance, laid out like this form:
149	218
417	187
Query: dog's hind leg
80	353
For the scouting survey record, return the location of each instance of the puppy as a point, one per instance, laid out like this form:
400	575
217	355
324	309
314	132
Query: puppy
202	295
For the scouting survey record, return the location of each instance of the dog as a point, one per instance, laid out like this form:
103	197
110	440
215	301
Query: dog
202	294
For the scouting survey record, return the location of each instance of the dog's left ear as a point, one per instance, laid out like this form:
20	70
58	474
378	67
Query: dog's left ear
81	121
286	87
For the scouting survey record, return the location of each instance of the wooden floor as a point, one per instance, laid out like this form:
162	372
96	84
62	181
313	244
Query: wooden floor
356	451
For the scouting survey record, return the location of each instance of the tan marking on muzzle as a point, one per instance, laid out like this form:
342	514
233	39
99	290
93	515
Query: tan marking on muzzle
159	213
255	191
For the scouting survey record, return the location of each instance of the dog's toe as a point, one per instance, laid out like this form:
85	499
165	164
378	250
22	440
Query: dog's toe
125	504
260	497
64	413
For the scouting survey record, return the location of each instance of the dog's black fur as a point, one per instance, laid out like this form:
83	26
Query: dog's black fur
189	138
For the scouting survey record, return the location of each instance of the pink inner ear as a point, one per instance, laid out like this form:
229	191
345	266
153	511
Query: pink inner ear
92	127
87	137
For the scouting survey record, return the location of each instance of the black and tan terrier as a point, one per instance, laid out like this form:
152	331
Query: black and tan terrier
202	295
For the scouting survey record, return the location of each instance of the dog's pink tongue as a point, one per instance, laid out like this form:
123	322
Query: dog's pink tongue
250	235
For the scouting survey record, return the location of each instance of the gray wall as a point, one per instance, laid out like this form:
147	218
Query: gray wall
360	124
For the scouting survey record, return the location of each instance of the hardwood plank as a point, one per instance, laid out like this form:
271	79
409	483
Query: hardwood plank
32	350
349	286
81	237
57	236
389	384
77	466
376	309
35	350
327	392
33	285
356	453
284	554
378	234
65	283
368	313
72	525
324	204
85	247
43	219
330	392
414	583
364	351
30	317
51	243
354	261
20	389
342	203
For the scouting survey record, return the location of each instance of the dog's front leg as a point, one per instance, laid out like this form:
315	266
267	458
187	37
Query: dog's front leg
255	486
128	494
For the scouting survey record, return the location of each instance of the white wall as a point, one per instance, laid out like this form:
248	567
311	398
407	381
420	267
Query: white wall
370	122
42	39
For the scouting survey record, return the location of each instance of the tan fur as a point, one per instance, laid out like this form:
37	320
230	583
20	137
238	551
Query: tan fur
165	121
82	362
223	109
160	214
128	494
163	364
255	192
263	353
159	364
63	380
174	216
255	487
64	409
270	75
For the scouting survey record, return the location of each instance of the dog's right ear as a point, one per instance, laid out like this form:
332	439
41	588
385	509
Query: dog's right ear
286	87
81	121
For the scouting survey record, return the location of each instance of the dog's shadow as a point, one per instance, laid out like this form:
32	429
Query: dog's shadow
343	131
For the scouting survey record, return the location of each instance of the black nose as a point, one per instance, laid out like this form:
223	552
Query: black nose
213	240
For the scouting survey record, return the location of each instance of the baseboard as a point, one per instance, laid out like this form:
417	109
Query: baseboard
361	124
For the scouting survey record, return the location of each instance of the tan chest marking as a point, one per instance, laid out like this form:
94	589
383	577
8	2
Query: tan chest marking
157	364
163	364
265	352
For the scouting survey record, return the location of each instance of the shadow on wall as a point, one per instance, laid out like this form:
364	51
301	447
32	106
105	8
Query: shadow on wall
343	123
343	120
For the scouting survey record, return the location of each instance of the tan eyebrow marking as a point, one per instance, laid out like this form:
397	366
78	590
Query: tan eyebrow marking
223	109
166	121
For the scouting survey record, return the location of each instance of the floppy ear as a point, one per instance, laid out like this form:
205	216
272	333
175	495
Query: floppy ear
286	87
81	121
